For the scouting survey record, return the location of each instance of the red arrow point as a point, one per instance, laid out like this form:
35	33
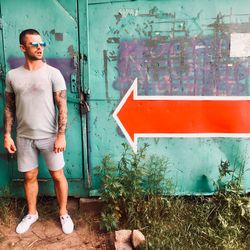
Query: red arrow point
125	113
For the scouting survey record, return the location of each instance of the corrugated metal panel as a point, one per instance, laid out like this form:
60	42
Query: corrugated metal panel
173	48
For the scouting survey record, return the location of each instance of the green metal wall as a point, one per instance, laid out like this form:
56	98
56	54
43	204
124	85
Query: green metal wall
159	42
101	47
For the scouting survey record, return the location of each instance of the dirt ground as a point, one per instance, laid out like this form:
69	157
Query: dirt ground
46	233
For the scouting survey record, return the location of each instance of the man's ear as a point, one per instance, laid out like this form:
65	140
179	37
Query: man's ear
22	48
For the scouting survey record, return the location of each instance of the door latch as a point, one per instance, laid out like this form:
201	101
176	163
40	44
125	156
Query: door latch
73	83
1	71
84	105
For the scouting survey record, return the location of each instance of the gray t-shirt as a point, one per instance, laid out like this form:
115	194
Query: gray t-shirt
35	109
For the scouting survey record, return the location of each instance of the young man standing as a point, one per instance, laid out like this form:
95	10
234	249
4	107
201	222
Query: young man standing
32	91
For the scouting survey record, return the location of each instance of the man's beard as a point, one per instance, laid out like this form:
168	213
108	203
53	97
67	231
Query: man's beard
34	58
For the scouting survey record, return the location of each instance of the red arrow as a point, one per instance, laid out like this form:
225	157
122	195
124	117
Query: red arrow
182	116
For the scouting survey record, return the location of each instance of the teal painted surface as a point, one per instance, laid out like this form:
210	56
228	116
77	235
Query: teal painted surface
57	22
4	163
173	47
161	42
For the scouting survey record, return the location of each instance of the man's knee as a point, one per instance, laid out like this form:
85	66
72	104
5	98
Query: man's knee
31	175
58	175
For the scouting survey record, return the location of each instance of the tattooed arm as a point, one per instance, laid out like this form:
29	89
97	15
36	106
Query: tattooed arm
61	103
9	115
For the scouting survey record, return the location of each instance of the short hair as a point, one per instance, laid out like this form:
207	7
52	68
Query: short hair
27	32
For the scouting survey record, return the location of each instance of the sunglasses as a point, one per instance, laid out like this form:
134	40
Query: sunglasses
36	44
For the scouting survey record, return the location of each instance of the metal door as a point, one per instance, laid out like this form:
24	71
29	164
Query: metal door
5	173
57	22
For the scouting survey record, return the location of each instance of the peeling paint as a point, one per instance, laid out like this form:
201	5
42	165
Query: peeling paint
106	71
59	36
113	40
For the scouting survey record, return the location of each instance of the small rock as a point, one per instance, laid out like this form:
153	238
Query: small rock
85	241
11	244
123	235
137	238
122	246
98	245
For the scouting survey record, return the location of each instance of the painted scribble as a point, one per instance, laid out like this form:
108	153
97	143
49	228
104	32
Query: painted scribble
181	67
173	56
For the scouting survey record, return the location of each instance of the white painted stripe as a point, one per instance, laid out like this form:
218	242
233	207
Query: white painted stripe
124	131
193	98
195	135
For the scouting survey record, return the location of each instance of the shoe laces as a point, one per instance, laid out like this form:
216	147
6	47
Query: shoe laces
27	217
64	218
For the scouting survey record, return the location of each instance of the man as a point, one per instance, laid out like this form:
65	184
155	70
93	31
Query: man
32	91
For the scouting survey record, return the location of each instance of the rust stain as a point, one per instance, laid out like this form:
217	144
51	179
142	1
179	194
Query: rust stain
105	56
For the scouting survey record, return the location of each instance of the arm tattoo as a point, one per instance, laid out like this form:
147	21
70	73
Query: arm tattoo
61	103
9	112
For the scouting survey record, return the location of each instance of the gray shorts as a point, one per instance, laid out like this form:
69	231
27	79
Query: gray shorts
28	151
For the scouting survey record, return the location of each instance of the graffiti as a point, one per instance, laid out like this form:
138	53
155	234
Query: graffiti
52	34
172	56
58	36
181	67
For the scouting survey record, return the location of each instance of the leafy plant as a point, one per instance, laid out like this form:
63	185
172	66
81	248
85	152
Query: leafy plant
138	194
131	187
229	214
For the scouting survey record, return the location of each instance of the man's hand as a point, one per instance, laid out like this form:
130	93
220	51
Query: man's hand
9	144
60	143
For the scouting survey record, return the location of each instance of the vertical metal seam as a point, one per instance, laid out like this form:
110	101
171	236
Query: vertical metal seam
1	34
84	124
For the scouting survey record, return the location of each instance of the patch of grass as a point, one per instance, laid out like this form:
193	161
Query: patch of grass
6	206
47	207
16	208
138	195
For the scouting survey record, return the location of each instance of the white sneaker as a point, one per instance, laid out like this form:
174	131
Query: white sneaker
26	222
67	224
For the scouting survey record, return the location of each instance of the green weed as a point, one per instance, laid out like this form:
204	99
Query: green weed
138	194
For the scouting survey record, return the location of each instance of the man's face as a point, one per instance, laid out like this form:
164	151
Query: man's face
32	52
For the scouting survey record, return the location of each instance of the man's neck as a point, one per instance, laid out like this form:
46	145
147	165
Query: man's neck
33	65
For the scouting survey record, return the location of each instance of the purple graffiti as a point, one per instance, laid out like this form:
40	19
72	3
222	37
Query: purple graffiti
65	65
198	66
